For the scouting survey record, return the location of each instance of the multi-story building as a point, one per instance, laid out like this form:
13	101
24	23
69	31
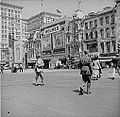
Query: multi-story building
25	29
50	42
10	32
99	32
118	21
35	24
74	35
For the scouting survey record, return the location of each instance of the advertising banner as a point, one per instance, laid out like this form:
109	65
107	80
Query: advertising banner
58	40
46	43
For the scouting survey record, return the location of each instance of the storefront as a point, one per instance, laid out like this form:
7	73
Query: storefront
53	44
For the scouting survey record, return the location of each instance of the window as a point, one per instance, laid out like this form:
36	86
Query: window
112	19
95	23
86	35
96	34
5	36
69	50
101	21
91	24
68	38
107	32
114	46
113	31
86	25
108	47
102	47
107	19
1	9
91	35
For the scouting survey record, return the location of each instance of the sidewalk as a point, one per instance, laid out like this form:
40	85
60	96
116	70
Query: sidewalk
45	70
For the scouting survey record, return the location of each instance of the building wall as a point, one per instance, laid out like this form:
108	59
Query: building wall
118	19
48	42
101	38
10	28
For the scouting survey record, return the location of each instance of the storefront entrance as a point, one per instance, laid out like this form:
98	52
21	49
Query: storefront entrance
46	63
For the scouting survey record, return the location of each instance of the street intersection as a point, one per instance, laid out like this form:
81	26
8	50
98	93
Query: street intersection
59	96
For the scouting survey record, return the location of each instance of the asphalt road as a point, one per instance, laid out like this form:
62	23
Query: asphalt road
59	96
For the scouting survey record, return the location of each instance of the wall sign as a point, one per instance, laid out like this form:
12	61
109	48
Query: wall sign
52	29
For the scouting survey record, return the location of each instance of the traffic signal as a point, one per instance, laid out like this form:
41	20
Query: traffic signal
119	47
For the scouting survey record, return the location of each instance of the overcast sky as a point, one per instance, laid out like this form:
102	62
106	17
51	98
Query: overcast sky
67	7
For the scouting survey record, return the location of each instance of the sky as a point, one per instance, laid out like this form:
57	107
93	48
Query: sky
67	7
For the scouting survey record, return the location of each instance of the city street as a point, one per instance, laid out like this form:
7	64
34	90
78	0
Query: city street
59	96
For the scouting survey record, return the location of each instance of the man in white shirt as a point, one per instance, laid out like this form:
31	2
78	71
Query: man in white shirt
39	70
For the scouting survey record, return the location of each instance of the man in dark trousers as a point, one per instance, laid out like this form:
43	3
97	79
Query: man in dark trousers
115	64
86	72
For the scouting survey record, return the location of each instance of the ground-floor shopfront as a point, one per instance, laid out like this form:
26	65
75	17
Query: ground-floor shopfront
50	62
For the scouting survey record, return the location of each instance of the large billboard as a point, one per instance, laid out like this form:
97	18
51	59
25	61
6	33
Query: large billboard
46	43
58	39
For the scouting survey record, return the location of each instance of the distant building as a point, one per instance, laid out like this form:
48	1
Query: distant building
35	23
99	33
10	30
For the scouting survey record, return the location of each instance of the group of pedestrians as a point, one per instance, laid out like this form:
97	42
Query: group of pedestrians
89	69
16	68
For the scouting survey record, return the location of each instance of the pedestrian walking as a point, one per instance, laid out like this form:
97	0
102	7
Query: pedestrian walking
39	70
21	68
85	72
96	68
115	64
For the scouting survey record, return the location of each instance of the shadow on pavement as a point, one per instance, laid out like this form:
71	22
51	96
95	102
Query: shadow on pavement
110	78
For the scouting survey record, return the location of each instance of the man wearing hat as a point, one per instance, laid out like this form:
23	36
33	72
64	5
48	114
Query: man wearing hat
86	72
39	70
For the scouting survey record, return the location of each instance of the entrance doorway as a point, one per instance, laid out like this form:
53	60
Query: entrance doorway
46	63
